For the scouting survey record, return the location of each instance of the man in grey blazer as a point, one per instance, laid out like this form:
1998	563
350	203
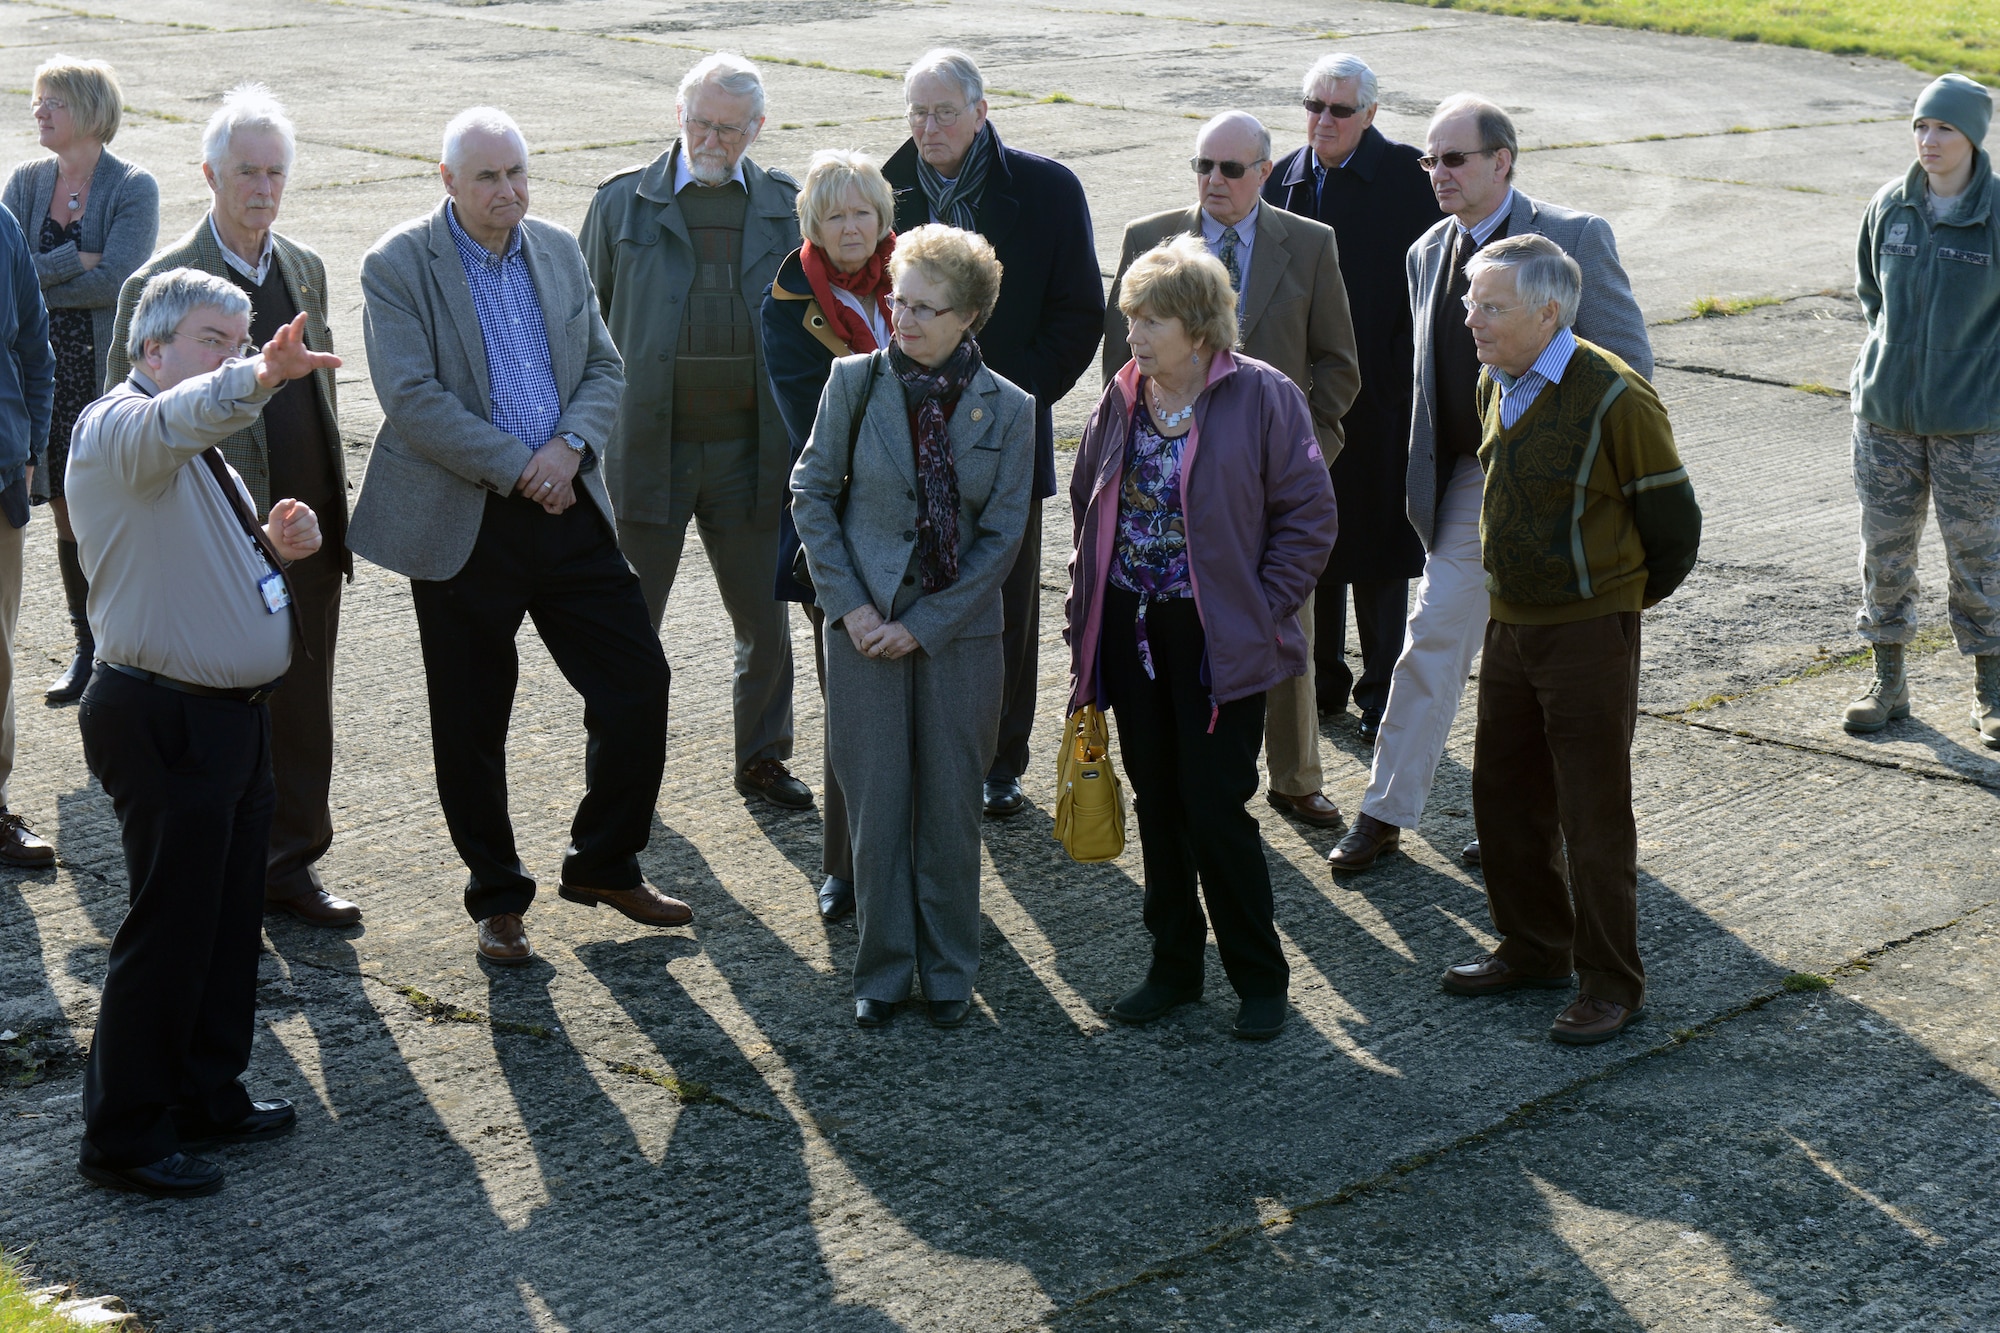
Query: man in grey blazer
1292	312
499	384
1470	153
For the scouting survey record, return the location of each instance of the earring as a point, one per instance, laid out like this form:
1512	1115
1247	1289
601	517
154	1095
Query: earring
1194	358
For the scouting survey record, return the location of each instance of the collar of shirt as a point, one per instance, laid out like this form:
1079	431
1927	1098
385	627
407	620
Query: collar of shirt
471	251
1491	222
256	272
684	178
1518	392
1246	230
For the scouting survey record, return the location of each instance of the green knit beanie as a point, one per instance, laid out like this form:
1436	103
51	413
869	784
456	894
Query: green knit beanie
1959	102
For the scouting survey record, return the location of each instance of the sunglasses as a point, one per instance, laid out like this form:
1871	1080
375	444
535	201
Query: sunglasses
1315	107
1451	161
1230	170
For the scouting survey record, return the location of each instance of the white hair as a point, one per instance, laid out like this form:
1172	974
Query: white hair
954	66
247	106
1240	118
1338	68
729	72
170	297
479	120
1542	273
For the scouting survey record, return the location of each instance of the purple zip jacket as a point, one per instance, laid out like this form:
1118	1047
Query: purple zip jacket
1260	522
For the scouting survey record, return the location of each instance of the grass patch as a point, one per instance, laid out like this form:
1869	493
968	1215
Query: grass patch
686	1091
438	1011
1814	386
1710	307
1059	97
26	1309
1931	35
1800	982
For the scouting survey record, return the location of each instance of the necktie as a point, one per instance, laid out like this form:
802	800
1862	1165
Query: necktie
1228	258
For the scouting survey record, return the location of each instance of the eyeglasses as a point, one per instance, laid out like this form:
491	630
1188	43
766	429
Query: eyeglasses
1452	161
1315	107
917	310
1486	308
1230	170
698	128
243	348
52	103
945	116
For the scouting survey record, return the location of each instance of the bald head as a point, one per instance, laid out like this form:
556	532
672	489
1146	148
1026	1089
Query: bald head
1234	142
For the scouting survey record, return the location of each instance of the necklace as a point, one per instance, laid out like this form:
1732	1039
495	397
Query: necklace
1169	419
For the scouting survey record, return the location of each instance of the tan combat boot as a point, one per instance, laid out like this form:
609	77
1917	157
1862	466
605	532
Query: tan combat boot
1987	719
1887	699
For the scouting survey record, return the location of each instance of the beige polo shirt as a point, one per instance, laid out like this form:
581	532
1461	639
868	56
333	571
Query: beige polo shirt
173	576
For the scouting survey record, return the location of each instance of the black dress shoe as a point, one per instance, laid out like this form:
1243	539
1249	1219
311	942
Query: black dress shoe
1371	724
949	1013
317	907
1152	1000
873	1013
1004	798
70	685
836	898
1471	853
267	1120
771	781
1260	1018
181	1176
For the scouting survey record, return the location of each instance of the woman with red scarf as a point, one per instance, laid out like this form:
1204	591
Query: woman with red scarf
830	299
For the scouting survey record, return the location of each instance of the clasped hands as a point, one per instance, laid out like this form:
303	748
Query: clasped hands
876	637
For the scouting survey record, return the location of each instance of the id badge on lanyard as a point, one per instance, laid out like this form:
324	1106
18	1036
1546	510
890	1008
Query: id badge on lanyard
276	596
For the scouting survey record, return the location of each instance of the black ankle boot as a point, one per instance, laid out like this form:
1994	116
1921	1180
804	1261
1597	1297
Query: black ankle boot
69	686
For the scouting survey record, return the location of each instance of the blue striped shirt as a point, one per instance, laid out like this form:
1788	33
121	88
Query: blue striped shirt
1518	395
526	402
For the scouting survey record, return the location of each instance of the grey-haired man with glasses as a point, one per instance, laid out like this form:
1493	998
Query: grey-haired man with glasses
681	250
955	170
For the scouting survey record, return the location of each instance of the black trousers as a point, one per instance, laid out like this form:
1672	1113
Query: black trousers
1192	768
1020	646
302	736
1381	613
564	572
190	780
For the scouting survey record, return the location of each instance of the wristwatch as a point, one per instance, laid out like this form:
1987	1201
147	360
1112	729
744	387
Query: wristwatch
575	442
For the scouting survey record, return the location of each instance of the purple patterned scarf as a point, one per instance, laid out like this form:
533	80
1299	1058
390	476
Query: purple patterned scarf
930	393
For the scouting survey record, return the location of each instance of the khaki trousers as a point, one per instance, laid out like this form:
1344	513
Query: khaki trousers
1291	725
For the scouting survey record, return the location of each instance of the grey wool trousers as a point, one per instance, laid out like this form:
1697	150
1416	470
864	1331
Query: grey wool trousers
911	741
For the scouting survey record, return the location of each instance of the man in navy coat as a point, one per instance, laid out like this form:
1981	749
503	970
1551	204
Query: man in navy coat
1378	201
1042	336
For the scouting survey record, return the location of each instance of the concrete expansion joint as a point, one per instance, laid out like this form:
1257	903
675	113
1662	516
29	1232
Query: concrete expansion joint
1939	774
1524	1115
1690	368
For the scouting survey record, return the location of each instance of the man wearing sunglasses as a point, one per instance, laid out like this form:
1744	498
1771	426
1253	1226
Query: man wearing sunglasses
681	251
1378	201
1292	313
1469	152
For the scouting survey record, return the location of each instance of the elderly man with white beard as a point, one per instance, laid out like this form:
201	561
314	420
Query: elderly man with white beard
681	250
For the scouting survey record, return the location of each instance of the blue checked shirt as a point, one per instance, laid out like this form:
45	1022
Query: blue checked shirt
526	403
1518	395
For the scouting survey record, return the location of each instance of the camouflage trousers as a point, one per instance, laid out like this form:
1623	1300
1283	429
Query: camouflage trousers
1895	475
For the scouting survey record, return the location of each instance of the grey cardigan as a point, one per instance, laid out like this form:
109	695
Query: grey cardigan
121	222
866	554
1608	316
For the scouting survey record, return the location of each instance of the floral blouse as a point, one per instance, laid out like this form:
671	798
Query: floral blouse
1150	556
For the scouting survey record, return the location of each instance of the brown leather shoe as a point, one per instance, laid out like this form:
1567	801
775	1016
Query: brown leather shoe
771	780
18	844
644	903
501	940
1368	839
317	907
1312	808
1589	1020
1487	975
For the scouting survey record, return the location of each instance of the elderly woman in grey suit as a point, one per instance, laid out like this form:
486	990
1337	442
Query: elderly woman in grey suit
91	219
911	519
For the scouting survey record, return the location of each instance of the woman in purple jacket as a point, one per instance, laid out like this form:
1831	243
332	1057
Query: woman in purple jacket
1202	516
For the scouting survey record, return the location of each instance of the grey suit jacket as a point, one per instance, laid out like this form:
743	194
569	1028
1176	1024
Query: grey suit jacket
1608	317
1295	314
868	556
438	453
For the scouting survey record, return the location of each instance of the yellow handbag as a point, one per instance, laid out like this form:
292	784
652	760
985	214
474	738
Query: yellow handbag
1090	805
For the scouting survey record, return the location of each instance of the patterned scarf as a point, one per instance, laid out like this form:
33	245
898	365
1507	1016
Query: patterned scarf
958	202
870	282
930	394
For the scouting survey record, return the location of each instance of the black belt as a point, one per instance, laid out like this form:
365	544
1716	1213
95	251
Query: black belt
254	694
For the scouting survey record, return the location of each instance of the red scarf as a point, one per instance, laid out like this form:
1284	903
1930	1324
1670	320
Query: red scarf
869	282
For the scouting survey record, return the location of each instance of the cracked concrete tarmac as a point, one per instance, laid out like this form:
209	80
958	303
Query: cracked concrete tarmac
682	1128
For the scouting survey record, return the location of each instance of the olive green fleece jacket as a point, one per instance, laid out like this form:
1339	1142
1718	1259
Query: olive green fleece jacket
1587	509
1931	294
